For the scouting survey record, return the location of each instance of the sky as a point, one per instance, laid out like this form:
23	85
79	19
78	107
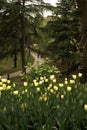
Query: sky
52	2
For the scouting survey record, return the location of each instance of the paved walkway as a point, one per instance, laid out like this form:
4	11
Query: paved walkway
38	60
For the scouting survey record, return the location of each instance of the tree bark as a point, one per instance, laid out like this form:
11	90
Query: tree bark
22	46
15	59
82	6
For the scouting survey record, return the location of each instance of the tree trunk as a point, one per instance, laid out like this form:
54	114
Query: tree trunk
22	46
23	54
15	59
82	6
15	56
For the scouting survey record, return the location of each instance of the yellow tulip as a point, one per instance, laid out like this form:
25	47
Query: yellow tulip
38	89
4	85
54	80
34	80
4	88
23	92
41	82
44	77
79	74
15	92
69	89
36	84
66	82
1	83
62	96
52	77
25	84
61	85
8	87
45	98
1	88
48	88
65	79
8	81
46	80
51	91
85	107
74	76
14	84
41	78
50	85
40	98
55	88
72	81
4	80
26	90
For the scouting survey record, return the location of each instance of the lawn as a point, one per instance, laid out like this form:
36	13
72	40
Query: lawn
7	64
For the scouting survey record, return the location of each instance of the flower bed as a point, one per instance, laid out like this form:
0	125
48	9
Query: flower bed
42	103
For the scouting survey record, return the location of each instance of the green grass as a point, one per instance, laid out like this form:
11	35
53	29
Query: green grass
7	64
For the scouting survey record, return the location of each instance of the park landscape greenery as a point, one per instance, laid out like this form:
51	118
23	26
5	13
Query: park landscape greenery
52	96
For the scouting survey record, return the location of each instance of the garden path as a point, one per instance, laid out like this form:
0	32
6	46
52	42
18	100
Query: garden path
38	60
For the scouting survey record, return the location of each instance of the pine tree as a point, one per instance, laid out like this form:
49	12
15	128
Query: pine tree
19	23
64	28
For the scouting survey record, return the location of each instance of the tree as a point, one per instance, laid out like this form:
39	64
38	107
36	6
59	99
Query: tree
64	28
9	32
82	7
20	24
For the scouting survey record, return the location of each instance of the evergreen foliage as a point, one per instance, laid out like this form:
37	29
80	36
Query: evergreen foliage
64	29
20	21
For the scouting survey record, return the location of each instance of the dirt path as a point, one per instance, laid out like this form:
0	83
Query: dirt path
38	60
